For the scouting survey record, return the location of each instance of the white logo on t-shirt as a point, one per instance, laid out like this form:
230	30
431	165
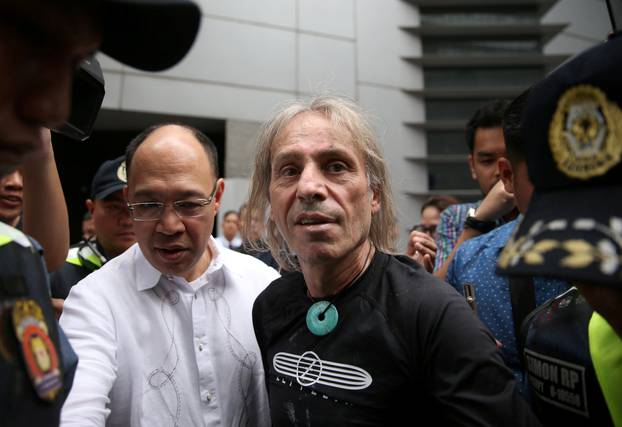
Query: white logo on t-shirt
309	369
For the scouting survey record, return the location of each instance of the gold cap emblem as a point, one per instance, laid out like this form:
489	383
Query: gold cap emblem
121	172
585	134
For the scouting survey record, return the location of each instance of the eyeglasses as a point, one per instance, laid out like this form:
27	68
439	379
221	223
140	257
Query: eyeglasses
152	211
428	229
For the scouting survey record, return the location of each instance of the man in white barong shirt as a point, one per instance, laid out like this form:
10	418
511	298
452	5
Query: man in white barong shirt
164	331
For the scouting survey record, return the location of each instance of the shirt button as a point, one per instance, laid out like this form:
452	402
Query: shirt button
195	296
200	347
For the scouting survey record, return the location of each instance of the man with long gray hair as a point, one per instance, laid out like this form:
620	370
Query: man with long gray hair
355	335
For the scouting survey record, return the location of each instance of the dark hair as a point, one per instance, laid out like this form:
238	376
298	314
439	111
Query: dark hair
440	202
231	212
487	116
206	143
512	118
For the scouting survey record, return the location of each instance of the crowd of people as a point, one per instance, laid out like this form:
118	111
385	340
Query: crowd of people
505	311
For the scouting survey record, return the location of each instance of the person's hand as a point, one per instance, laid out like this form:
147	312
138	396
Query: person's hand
422	248
497	203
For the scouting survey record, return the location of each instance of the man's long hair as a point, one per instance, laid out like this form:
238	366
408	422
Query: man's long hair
343	114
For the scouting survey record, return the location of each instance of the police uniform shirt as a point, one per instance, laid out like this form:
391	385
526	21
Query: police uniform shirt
23	279
406	348
562	381
83	259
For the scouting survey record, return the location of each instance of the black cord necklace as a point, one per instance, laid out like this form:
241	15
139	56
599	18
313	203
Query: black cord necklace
322	316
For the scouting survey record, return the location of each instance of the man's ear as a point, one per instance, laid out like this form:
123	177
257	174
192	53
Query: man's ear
506	174
220	189
375	201
90	205
472	167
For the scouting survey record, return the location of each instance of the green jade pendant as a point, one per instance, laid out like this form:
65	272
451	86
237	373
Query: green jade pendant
322	318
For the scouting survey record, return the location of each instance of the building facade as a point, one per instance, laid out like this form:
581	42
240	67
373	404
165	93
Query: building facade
252	55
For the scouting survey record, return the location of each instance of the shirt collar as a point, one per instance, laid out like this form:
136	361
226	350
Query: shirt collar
147	276
501	237
217	256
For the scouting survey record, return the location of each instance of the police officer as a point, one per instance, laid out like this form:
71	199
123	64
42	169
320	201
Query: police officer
41	41
573	230
113	228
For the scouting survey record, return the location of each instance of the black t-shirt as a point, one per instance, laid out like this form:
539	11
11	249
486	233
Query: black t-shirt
406	348
562	381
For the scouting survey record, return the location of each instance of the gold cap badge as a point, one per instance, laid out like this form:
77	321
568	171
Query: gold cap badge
121	172
585	134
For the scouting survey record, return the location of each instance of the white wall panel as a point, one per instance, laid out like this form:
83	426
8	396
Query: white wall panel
273	12
588	24
334	17
152	94
112	99
326	64
109	64
391	107
565	43
381	43
243	54
236	193
241	140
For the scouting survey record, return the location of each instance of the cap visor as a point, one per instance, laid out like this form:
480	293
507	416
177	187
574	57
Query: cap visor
150	35
108	191
574	234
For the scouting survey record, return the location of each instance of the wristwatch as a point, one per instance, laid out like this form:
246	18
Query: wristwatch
478	224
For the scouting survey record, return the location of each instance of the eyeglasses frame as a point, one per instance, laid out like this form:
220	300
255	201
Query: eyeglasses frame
162	205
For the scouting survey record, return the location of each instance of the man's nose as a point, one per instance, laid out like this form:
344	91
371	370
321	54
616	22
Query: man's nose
312	184
13	181
169	222
125	218
497	170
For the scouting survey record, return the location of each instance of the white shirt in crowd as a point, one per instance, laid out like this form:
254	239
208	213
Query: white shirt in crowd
235	243
156	350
